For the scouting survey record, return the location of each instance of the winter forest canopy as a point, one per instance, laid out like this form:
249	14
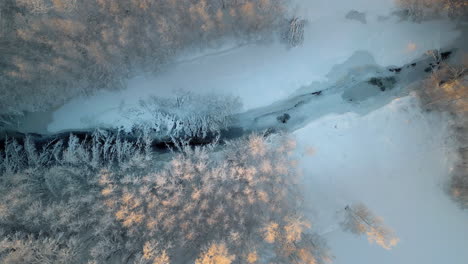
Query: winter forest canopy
233	131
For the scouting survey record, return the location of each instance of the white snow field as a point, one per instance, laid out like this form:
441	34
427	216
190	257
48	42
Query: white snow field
396	161
262	74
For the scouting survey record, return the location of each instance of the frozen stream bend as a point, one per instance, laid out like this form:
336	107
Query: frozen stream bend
362	90
359	90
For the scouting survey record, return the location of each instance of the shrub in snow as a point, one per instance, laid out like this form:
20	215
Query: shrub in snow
360	220
459	181
239	204
294	34
356	15
426	9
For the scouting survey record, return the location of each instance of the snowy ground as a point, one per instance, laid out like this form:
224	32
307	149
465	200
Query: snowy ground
396	161
262	74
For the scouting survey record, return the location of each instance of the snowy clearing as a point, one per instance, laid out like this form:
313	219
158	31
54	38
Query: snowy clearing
396	160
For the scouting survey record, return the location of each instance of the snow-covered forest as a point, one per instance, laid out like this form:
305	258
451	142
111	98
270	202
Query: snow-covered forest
233	131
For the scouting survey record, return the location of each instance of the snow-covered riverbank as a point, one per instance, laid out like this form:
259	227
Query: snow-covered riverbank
396	160
262	74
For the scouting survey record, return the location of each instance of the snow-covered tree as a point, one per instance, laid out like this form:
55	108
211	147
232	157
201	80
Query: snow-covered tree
239	203
186	115
202	196
360	220
18	248
216	254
